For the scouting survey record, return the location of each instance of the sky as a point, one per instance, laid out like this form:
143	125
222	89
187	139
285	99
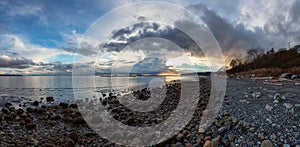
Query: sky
42	37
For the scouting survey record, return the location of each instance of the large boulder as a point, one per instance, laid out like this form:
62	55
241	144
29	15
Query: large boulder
8	104
35	103
5	111
49	99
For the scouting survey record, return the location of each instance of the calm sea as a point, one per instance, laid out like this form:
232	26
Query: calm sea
15	88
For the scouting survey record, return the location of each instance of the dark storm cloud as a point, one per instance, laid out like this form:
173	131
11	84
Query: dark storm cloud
123	38
231	36
12	62
228	35
295	11
283	28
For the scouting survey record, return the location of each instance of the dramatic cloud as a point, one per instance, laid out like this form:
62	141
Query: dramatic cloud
265	25
228	35
10	62
39	37
125	36
17	46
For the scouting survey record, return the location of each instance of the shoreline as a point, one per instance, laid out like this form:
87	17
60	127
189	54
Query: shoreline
244	119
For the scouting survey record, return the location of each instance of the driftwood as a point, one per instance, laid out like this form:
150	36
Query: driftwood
274	84
262	78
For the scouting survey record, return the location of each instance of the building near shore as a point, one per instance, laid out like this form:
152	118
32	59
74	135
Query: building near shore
297	47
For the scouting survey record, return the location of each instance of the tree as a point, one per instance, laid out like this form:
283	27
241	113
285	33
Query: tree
235	62
255	52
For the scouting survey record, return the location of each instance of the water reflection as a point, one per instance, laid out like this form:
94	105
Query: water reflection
169	79
60	87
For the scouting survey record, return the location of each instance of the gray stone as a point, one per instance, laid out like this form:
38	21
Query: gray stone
243	101
137	142
215	142
201	130
297	109
266	143
269	120
256	94
252	129
288	105
268	107
221	130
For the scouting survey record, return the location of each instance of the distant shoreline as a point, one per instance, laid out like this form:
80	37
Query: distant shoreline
11	75
120	75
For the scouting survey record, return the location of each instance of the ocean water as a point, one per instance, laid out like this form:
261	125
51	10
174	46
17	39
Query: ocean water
16	88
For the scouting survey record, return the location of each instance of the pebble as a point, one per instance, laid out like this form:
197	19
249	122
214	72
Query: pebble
260	136
179	137
221	130
288	106
30	125
266	143
201	130
215	142
207	143
251	130
35	103
238	124
268	107
231	137
207	138
74	136
70	143
268	120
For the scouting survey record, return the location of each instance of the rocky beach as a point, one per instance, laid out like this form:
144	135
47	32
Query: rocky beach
255	112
